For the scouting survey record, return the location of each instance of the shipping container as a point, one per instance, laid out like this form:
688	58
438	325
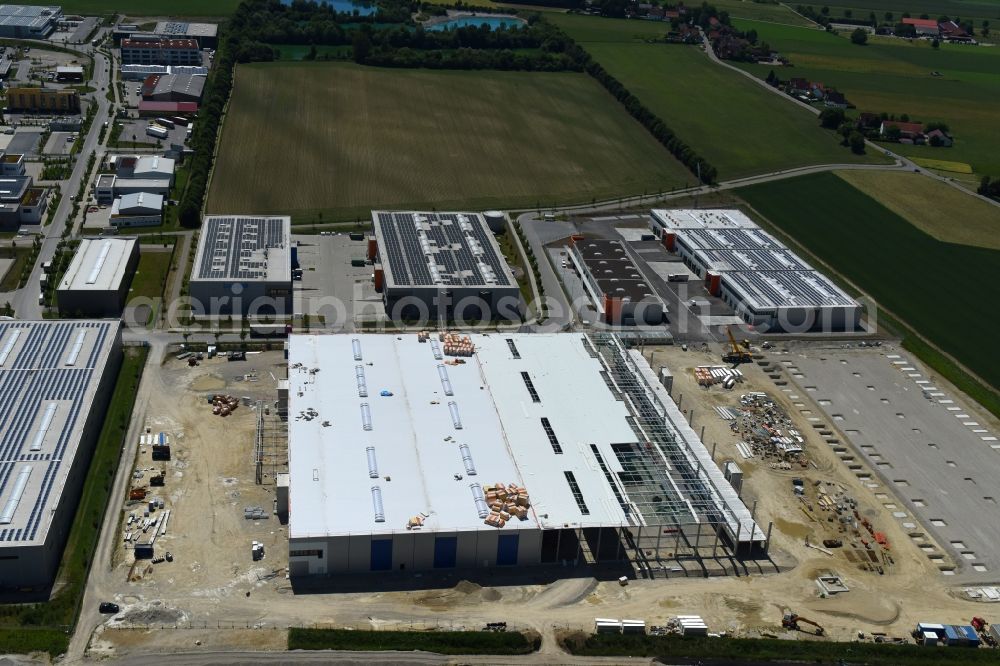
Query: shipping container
356	236
358	262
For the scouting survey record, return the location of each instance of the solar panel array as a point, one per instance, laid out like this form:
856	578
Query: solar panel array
753	260
235	248
44	368
787	289
439	249
728	239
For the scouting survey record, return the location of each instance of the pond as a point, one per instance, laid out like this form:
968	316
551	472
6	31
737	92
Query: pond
494	22
346	6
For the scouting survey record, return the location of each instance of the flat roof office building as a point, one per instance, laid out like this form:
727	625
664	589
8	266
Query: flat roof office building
441	265
96	284
394	447
243	266
767	284
56	378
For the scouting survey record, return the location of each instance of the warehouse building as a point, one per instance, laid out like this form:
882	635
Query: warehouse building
173	88
56	379
29	21
141	209
441	265
614	282
135	174
243	266
20	202
767	284
97	281
537	449
206	34
43	100
69	74
143	50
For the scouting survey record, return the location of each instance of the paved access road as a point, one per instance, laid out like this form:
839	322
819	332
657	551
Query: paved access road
25	301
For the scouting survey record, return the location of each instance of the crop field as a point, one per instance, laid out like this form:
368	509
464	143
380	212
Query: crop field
940	289
944	212
761	11
966	9
152	7
337	139
737	125
942	165
895	76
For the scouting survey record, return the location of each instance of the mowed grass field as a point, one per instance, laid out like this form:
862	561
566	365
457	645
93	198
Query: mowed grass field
894	76
761	11
942	290
944	212
737	125
151	7
966	9
339	139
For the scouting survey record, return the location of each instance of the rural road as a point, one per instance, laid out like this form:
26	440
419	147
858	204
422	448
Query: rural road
332	657
901	161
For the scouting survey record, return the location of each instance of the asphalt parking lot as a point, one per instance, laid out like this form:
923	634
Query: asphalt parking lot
331	287
937	453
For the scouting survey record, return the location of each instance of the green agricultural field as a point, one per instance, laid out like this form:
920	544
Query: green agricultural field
945	212
761	11
333	140
151	7
737	125
939	289
966	9
894	76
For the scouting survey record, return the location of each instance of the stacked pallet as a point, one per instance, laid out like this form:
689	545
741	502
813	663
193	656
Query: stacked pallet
423	336
456	344
506	502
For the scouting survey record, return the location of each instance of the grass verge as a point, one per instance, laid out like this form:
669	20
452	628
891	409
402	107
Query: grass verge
441	642
12	277
671	648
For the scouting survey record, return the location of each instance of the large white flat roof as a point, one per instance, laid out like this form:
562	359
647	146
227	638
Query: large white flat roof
99	264
417	445
702	218
49	374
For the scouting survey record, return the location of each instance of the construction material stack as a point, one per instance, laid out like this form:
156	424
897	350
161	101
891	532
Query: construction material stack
456	344
505	502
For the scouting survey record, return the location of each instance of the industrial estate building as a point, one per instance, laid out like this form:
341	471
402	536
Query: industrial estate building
614	282
29	21
173	87
141	209
765	282
445	265
97	281
56	378
155	50
20	202
43	100
206	34
396	452
243	265
135	174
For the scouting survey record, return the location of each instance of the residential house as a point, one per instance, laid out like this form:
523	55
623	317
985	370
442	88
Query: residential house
835	100
868	121
908	132
939	138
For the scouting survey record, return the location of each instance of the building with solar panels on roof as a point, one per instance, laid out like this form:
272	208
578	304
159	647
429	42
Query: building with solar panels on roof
243	266
56	379
31	21
97	281
433	265
767	284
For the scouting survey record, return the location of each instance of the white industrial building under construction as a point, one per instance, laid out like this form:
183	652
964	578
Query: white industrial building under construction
397	449
767	284
56	378
97	282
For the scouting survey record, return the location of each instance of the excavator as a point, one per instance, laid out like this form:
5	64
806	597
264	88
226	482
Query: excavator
738	352
791	621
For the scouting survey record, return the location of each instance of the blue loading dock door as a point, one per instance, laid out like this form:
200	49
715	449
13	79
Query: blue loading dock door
381	555
445	552
507	549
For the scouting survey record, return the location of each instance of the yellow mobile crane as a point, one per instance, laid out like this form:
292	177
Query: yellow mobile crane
738	353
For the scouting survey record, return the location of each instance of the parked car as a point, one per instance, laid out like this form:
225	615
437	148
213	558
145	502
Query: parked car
108	607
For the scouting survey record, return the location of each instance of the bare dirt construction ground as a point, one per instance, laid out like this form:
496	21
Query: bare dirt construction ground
214	597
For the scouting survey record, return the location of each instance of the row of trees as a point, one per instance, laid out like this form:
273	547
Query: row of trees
990	187
659	129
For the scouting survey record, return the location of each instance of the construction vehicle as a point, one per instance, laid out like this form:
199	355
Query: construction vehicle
791	621
738	352
982	628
